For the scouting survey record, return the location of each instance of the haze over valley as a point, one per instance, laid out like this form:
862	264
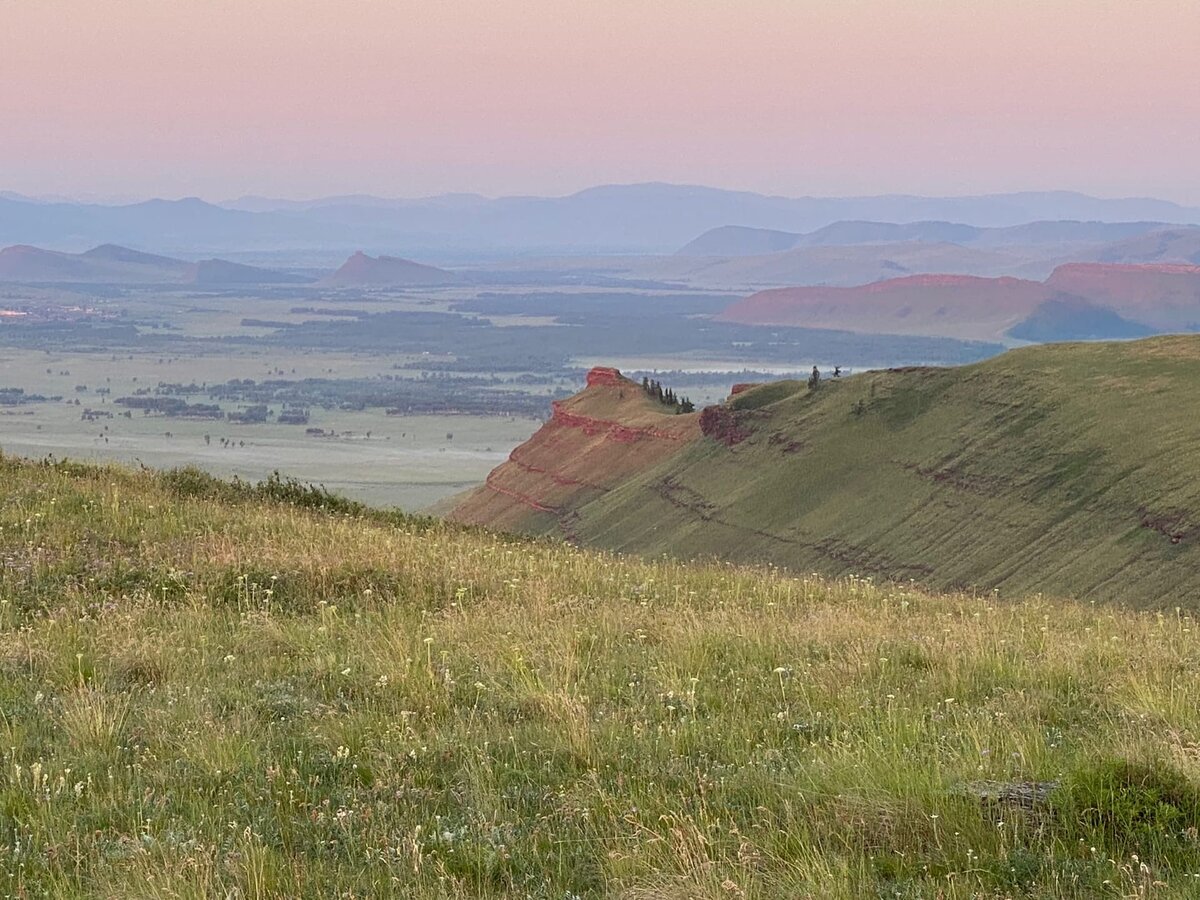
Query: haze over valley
403	378
653	451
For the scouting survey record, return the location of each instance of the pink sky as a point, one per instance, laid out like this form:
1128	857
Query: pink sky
403	98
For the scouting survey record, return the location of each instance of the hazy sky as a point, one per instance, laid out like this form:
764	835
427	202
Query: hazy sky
404	98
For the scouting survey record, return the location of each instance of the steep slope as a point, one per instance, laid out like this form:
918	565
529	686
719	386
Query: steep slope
363	270
599	438
1068	469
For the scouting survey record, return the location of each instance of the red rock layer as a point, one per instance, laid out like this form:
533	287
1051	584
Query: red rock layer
592	442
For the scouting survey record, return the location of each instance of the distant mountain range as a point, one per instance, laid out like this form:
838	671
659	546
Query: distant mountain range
112	264
1055	236
1078	301
847	254
636	218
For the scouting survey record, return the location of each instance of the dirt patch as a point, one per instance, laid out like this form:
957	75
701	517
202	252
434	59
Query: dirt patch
950	476
1171	524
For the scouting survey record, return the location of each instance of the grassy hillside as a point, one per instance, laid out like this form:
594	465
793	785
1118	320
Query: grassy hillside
1069	469
213	691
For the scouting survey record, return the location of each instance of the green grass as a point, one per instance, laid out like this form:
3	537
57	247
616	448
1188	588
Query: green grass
1069	469
259	692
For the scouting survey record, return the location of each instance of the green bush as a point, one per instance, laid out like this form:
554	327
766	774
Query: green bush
1130	804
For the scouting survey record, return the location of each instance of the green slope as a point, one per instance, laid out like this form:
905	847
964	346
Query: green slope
1069	469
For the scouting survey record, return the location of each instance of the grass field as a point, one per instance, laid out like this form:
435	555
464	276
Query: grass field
407	461
217	691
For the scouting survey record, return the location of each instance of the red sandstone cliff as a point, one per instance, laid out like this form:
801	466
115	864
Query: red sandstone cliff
592	442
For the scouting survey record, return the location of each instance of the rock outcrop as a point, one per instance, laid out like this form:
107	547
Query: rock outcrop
593	441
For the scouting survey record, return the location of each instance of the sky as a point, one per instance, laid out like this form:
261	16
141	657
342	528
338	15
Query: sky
305	98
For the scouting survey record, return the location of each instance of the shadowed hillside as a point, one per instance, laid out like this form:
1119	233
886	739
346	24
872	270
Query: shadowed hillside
1165	296
1066	468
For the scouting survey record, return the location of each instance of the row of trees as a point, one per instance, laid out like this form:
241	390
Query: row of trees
666	396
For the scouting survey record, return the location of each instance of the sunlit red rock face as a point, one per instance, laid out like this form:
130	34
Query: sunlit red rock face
950	305
1166	296
602	375
593	441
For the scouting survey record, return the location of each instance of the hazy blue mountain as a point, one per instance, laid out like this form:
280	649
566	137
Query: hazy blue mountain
160	225
635	218
113	264
733	240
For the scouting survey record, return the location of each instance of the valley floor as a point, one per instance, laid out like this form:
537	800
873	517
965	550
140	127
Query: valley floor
209	690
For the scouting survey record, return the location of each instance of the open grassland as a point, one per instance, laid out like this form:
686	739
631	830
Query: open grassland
411	460
218	691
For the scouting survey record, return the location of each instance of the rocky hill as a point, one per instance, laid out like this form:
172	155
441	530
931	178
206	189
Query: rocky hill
1068	469
593	442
